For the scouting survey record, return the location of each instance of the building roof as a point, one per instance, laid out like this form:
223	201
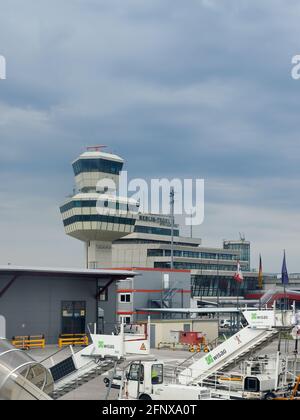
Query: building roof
162	270
99	155
66	272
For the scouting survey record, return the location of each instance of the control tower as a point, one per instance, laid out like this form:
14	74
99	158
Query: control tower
95	214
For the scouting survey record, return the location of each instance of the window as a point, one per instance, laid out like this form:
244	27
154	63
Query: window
157	375
125	297
252	384
98	218
125	319
155	252
103	297
97	165
136	372
155	230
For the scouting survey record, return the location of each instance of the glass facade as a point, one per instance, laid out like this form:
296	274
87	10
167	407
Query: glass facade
214	285
155	230
242	247
93	204
98	218
195	266
191	254
97	165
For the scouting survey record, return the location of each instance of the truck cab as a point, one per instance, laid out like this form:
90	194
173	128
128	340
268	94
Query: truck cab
145	381
143	378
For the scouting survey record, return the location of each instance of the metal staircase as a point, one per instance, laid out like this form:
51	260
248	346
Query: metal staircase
105	353
253	348
79	378
263	327
200	370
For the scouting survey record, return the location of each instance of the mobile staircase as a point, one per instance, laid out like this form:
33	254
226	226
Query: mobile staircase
105	353
264	326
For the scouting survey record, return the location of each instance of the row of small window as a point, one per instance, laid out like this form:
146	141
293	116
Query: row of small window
149	241
190	254
93	204
155	230
99	218
195	266
97	165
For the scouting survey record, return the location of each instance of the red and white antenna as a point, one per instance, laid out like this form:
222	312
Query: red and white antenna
96	148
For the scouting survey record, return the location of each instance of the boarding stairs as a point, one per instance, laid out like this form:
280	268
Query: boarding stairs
78	378
237	348
105	353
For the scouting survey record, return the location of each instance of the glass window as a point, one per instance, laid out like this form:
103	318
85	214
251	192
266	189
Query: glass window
97	165
125	297
125	319
136	372
157	375
103	297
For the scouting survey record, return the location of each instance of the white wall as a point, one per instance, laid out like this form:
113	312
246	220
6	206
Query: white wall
2	327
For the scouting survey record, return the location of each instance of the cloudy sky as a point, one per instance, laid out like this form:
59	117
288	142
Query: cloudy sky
195	88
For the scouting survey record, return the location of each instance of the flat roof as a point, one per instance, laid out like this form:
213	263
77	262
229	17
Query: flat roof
162	270
69	272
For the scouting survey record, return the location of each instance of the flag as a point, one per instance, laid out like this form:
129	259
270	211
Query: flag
238	277
260	274
284	272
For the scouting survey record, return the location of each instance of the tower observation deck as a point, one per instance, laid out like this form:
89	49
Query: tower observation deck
95	214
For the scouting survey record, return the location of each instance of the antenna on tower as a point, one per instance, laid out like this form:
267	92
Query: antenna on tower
242	237
97	148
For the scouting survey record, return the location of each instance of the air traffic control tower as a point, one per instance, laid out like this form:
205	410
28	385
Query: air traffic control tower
95	214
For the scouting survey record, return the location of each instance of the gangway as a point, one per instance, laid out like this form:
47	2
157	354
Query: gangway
104	354
263	328
21	377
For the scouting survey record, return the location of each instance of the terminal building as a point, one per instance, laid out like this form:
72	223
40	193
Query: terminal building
116	234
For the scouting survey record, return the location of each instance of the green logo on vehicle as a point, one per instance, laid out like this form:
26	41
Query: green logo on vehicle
254	317
209	360
101	344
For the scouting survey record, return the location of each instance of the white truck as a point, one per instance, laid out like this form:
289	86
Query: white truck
145	380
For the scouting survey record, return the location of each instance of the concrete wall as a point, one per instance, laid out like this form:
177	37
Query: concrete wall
130	255
32	305
163	329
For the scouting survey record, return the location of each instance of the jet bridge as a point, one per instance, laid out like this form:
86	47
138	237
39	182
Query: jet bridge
21	377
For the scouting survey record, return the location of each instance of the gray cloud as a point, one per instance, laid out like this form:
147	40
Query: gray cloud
199	88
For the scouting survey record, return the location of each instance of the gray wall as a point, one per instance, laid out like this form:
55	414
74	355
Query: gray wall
109	308
32	305
153	280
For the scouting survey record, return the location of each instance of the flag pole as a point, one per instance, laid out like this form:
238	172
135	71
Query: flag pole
284	280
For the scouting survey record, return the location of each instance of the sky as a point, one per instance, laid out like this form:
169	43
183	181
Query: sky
196	88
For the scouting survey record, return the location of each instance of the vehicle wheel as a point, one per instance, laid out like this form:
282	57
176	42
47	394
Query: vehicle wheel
269	396
106	382
145	397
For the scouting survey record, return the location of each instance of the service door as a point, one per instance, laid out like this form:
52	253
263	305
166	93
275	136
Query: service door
73	317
